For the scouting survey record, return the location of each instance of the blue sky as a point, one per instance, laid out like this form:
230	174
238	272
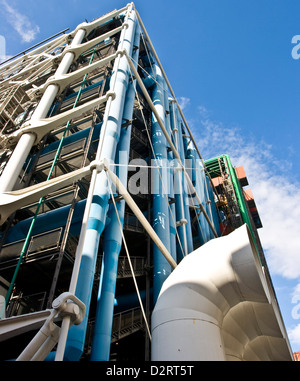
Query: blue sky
230	65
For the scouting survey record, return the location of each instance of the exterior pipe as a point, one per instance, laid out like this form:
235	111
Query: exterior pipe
198	179
113	237
186	188
172	208
50	220
161	222
140	216
16	162
151	105
172	92
20	153
97	202
218	305
178	180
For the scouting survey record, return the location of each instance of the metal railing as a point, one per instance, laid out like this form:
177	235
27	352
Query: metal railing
40	246
125	323
138	264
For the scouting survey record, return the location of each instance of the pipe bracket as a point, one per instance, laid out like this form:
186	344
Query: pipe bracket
181	222
97	165
68	304
111	94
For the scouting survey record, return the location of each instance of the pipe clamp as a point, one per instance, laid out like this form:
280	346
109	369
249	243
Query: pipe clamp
97	165
111	94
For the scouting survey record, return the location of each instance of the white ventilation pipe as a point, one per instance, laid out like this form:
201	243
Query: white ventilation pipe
217	305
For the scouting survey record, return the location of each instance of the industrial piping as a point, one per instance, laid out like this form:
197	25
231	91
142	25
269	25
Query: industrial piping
20	153
161	222
112	235
217	305
97	210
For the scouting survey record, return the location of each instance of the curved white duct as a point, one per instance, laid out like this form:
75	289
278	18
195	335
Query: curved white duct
218	305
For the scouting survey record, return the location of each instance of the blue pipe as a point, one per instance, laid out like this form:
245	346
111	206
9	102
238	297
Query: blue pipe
121	304
183	230
170	171
48	221
190	244
99	206
177	195
113	237
201	225
182	152
161	222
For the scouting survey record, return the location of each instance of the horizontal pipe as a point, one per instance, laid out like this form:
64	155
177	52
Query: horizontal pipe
12	201
65	79
77	50
43	126
87	27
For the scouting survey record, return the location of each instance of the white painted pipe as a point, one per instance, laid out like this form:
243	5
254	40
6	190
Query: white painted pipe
16	162
218	305
20	153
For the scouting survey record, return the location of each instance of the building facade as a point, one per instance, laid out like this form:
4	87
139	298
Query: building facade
103	193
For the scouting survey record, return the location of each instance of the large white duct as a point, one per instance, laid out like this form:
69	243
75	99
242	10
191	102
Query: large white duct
218	305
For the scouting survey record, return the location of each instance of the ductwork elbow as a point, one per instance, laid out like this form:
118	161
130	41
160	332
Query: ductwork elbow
217	305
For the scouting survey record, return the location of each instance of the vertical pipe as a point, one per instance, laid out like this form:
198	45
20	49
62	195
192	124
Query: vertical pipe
113	237
20	153
97	205
170	172
179	206
185	187
16	162
161	268
198	175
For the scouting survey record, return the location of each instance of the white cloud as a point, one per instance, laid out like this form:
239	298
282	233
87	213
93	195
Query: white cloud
276	196
294	336
25	28
183	102
204	113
